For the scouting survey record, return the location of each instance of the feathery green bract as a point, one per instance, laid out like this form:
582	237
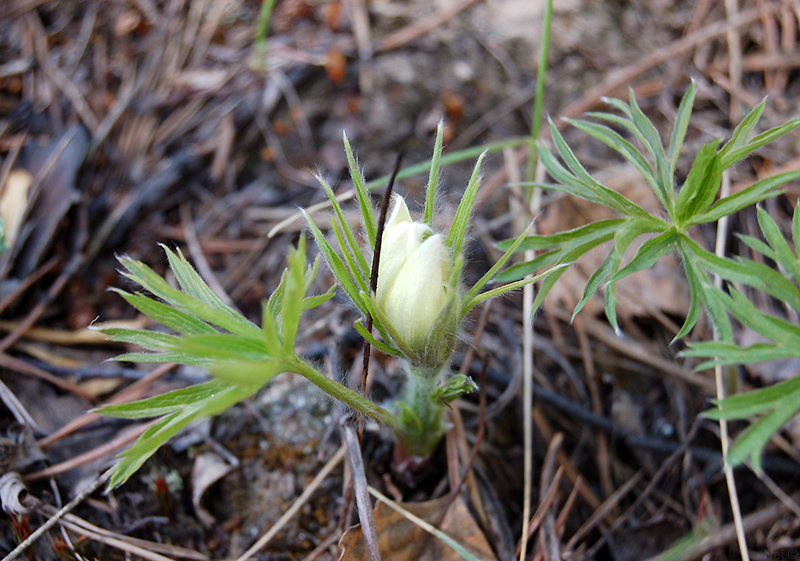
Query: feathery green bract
458	231
433	177
348	264
668	231
362	193
418	423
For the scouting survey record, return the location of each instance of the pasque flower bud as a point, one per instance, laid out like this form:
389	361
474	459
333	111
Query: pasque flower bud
414	289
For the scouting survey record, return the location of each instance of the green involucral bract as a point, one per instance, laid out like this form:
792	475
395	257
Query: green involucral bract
414	290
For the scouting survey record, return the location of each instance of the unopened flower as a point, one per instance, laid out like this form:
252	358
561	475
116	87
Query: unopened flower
414	290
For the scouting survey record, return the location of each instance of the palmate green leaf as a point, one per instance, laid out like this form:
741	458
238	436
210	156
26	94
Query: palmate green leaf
160	358
615	141
565	181
729	353
737	154
144	276
773	328
623	122
746	405
759	191
785	335
165	403
743	129
166	315
623	108
311	302
647	128
611	302
293	296
758	246
579	244
634	228
656	147
248	373
150	340
273	341
224	346
162	347
781	251
574	237
593	191
193	285
751	443
593	283
650	252
715	306
680	127
746	271
195	350
275	300
210	399
701	186
695	278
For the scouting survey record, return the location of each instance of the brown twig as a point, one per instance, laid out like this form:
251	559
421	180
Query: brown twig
593	382
134	391
662	471
549	479
37	311
727	534
419	28
125	438
27	282
373	279
363	504
18	365
58	516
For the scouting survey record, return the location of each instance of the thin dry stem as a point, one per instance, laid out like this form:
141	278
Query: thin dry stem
722	234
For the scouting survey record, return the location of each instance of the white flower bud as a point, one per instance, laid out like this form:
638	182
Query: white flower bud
413	286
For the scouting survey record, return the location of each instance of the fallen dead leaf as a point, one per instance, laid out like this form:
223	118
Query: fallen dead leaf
209	468
400	539
13	203
13	493
56	165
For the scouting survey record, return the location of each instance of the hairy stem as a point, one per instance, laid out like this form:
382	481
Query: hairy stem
345	395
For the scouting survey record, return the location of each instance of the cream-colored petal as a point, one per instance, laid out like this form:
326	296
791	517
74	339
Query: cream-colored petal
418	293
398	214
399	243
